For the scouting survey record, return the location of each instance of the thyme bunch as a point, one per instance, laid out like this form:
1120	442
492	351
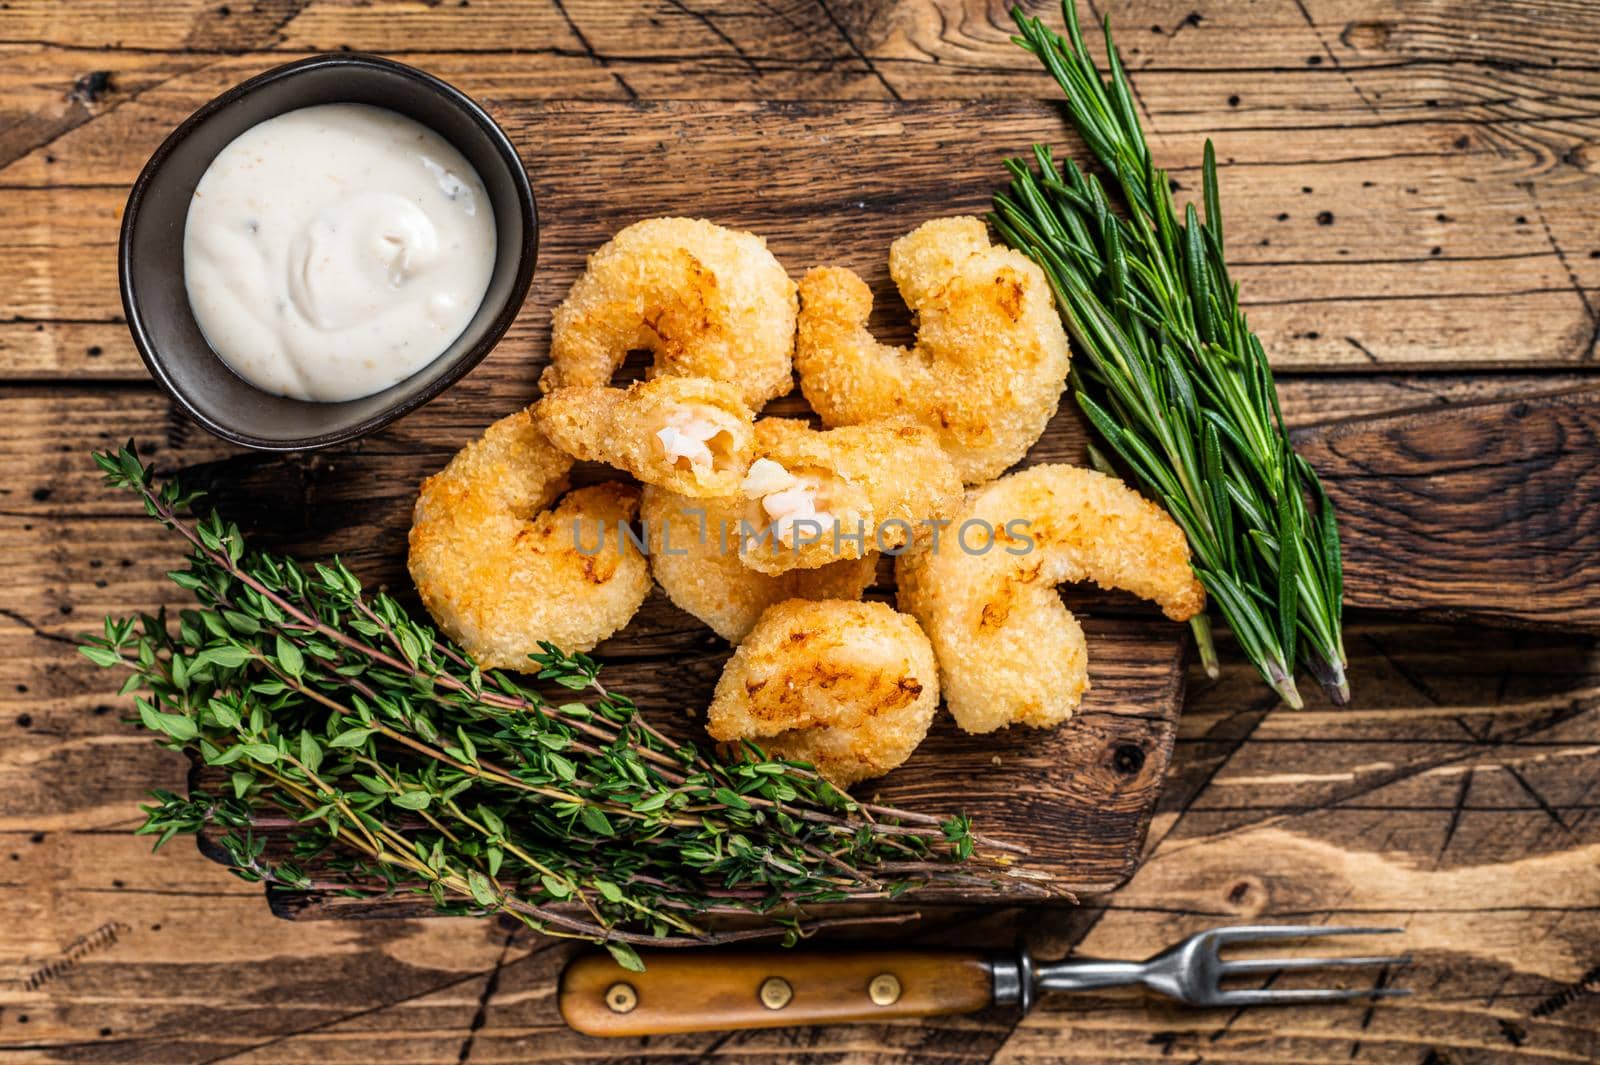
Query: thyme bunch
398	766
1172	378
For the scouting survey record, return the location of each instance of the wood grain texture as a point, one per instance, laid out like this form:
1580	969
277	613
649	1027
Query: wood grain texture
1404	182
1405	241
1486	511
1457	800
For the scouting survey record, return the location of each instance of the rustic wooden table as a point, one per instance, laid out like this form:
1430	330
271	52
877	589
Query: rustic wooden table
1415	213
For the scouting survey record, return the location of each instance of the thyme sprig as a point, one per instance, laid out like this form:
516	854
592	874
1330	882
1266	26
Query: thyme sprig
1172	378
398	766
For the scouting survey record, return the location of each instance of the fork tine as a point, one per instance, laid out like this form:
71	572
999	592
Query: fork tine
1285	996
1247	932
1267	965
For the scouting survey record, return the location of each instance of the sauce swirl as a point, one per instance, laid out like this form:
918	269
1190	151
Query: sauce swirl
333	251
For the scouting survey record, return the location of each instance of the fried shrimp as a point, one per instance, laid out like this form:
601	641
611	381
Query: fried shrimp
694	556
688	434
1009	650
817	496
991	355
708	301
500	572
849	687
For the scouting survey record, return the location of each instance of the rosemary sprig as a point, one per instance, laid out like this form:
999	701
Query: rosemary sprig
1171	377
401	767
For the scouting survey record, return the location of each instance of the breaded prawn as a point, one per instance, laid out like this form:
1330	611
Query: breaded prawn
688	434
1009	650
849	687
708	301
991	356
500	572
694	556
818	496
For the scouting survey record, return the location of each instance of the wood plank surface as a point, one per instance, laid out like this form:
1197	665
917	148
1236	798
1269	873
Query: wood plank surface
1433	503
1430	234
1484	512
1455	800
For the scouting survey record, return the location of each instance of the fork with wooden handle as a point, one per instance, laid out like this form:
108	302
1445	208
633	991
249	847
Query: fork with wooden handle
705	990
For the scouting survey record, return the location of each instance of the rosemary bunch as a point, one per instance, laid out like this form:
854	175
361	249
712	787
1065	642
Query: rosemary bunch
400	766
1172	378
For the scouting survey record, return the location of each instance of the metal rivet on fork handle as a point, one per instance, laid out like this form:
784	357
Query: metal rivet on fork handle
842	985
775	992
884	989
621	997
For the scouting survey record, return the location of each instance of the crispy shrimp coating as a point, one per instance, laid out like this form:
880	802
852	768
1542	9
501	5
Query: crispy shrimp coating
991	356
691	435
1009	650
694	556
500	572
708	301
818	496
849	687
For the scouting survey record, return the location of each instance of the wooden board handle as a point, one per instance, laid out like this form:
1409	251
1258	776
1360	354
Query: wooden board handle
710	990
1487	512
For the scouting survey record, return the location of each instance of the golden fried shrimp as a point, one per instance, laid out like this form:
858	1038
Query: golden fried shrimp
817	496
991	355
1009	650
708	301
849	687
688	434
499	572
694	556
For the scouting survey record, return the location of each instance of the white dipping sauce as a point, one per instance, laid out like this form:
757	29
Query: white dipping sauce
333	251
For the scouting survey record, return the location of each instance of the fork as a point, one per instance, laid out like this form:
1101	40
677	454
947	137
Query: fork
706	990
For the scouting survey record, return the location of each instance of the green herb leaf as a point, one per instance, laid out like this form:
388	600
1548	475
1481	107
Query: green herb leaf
1168	372
177	726
277	666
289	657
226	657
482	891
626	957
103	657
310	751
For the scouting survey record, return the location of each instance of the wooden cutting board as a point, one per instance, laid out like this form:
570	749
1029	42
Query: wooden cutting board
1432	502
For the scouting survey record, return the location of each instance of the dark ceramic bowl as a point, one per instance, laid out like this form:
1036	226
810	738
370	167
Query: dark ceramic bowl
150	256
